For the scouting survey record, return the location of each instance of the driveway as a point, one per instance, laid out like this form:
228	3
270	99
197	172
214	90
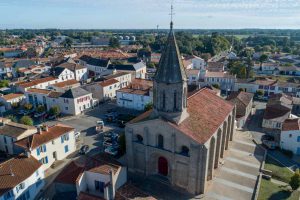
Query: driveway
236	179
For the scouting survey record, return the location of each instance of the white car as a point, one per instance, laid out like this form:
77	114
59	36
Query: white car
111	150
77	135
39	114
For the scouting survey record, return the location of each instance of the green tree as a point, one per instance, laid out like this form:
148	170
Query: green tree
259	92
54	111
26	120
148	106
28	106
4	83
263	58
40	108
13	118
68	43
114	42
295	180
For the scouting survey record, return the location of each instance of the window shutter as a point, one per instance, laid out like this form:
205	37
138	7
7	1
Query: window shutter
38	151
44	146
46	159
62	139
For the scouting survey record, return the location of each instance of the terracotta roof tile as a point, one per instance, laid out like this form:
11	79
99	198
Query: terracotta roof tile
12	96
129	191
38	139
108	82
21	167
291	125
241	100
39	91
35	82
70	174
66	83
87	196
277	111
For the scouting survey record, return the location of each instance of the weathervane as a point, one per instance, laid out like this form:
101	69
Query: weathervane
172	14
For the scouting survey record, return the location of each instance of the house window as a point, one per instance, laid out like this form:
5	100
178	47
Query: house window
66	108
290	135
21	186
298	139
44	160
160	141
66	148
5	140
185	150
139	138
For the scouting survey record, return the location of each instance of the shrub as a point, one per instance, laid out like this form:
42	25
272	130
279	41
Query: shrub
295	180
26	120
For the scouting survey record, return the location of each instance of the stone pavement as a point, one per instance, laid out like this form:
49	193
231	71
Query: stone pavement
236	178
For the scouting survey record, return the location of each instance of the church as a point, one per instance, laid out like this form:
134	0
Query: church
183	137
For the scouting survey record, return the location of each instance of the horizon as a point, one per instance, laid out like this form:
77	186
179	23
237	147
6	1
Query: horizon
147	14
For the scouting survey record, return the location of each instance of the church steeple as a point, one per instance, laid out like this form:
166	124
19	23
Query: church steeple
170	83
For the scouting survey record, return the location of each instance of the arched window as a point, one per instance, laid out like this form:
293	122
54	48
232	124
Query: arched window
185	150
160	141
139	138
175	100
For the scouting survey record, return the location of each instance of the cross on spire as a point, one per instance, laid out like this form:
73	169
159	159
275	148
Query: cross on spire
172	14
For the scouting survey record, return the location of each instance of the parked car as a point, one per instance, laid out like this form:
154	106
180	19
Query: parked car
77	135
51	117
270	144
84	149
39	114
267	137
99	126
111	150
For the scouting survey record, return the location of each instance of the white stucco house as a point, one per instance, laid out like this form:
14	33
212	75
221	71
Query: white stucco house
102	178
136	96
50	144
10	99
290	136
22	178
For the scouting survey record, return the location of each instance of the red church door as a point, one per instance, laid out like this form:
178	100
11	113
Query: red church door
162	166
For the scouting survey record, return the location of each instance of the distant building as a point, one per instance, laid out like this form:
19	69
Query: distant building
95	66
136	96
137	70
80	71
104	90
22	178
193	76
224	80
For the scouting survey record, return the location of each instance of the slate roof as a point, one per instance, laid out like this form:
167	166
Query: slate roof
170	68
57	71
127	67
94	61
203	121
75	93
44	137
241	100
24	63
291	125
15	170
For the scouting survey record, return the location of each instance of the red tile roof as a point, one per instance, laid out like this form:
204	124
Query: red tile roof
15	170
291	125
11	96
207	113
39	91
66	83
129	191
86	196
70	174
108	82
35	82
241	100
276	111
38	139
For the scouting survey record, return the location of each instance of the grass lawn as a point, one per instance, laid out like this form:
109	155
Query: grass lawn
279	172
272	191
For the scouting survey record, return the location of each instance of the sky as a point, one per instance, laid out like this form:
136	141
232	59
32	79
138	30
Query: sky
147	14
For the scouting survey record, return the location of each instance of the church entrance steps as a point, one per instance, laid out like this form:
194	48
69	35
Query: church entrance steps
237	178
241	162
214	196
245	153
234	185
242	147
239	173
242	168
245	143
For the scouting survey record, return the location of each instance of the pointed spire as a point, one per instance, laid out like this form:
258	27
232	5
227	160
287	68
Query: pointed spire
170	69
